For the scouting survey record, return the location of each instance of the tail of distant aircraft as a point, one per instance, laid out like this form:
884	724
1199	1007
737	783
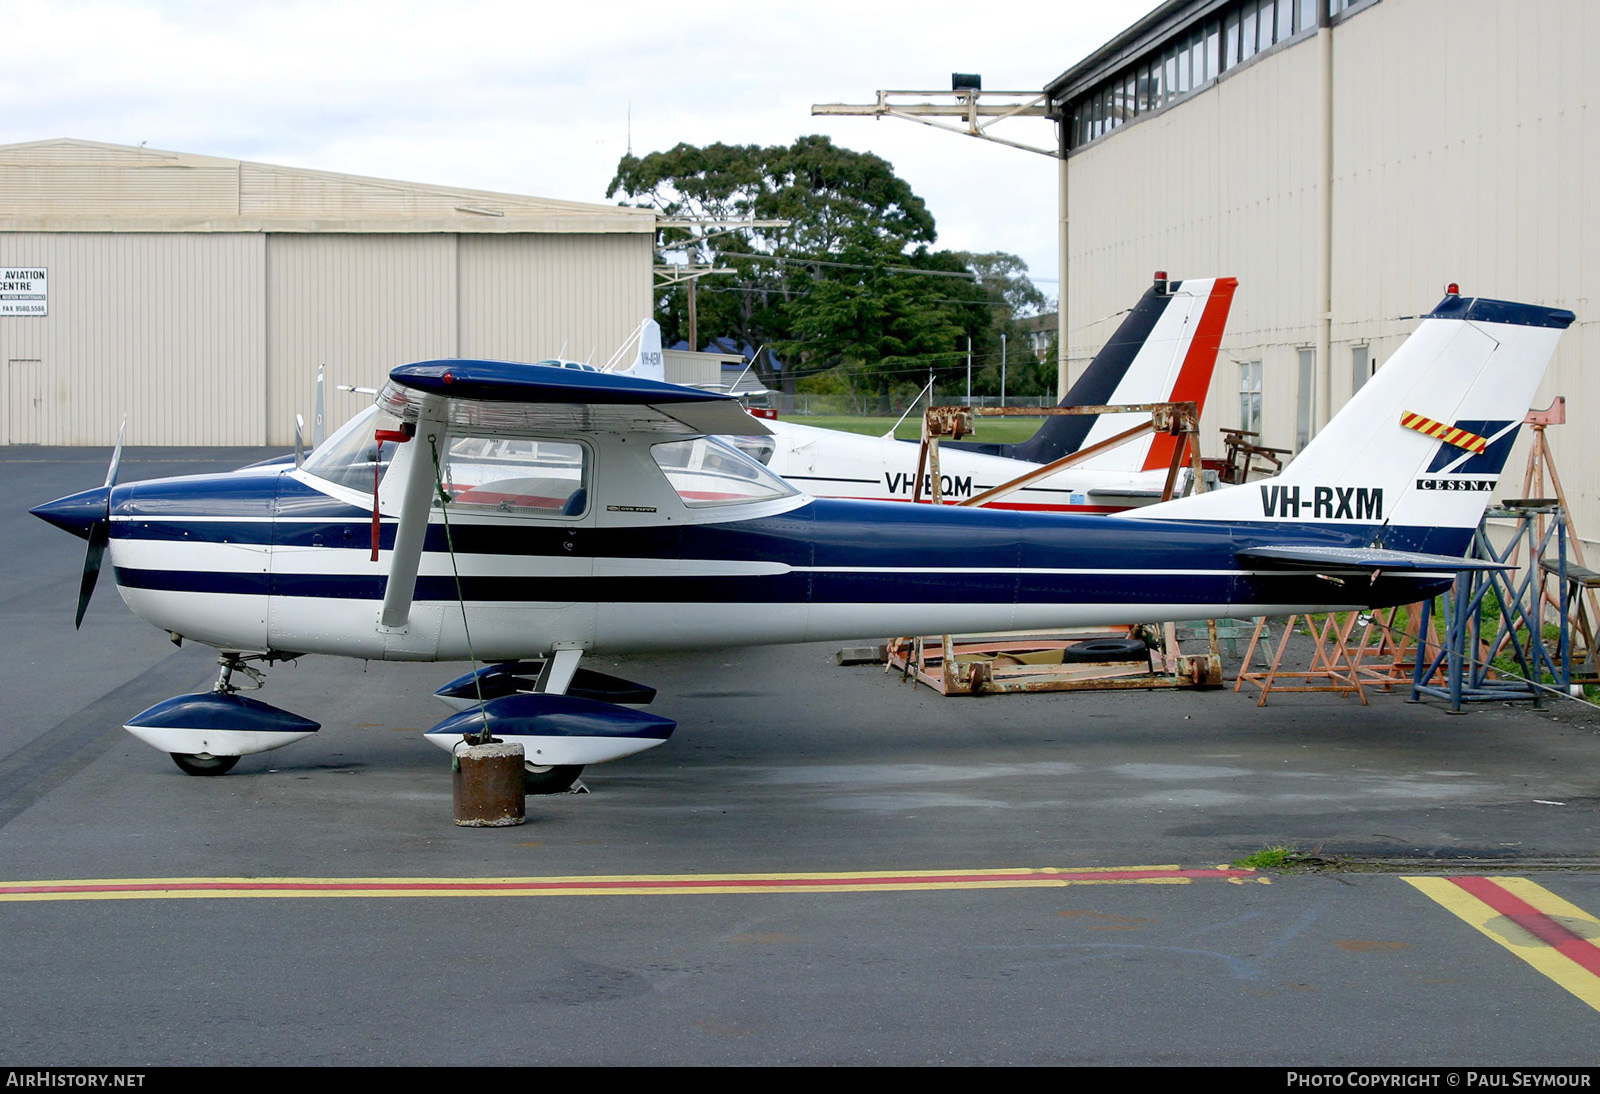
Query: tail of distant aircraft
1165	350
648	364
1417	452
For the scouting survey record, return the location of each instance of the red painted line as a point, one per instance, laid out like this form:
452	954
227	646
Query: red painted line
1031	507
1194	377
665	884
1552	933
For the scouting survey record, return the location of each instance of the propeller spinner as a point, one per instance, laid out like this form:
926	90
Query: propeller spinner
87	514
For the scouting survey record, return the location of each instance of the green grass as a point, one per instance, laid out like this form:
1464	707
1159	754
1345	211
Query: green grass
993	430
1278	857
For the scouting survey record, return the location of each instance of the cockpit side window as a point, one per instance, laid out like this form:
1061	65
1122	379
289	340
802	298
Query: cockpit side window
520	475
706	472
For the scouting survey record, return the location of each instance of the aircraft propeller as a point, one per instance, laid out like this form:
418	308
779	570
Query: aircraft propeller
99	534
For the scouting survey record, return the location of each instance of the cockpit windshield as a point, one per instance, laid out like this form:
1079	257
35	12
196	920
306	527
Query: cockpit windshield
351	455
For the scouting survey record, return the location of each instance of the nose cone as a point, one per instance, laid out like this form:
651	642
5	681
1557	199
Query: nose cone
76	513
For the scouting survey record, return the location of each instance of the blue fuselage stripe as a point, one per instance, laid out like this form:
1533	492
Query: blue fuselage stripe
894	553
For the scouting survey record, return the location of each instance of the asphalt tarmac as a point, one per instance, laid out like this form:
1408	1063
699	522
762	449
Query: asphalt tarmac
823	865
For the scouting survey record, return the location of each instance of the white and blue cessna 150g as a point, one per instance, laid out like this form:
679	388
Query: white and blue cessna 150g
518	511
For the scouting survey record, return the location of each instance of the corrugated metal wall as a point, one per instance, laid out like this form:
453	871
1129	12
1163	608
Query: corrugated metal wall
359	304
166	329
525	297
1463	150
1223	184
215	338
1473	160
198	295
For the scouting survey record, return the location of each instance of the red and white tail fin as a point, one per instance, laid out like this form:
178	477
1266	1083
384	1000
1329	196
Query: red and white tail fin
1173	364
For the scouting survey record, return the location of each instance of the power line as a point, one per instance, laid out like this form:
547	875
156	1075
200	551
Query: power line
729	256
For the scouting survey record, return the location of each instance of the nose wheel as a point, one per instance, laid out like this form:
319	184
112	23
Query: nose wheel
205	733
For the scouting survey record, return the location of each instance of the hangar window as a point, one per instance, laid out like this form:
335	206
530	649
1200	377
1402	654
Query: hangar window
1306	403
1250	397
706	472
1194	53
1360	367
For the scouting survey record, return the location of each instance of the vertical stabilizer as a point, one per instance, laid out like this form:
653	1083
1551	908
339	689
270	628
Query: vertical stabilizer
1418	451
648	364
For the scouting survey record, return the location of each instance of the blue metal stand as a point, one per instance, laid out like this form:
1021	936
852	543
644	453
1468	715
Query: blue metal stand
1520	594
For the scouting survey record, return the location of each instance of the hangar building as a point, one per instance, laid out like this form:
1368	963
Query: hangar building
198	295
1345	159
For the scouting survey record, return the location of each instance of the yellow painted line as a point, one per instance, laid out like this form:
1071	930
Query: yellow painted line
1559	939
182	888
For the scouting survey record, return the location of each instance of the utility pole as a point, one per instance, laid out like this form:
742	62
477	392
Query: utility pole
674	273
679	273
694	318
969	370
1002	368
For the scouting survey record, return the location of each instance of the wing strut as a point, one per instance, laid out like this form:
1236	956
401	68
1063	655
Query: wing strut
416	499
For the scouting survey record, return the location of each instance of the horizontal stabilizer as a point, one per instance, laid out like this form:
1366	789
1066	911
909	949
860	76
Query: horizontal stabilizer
502	395
1359	558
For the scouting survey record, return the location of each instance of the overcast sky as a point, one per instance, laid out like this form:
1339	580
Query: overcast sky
536	98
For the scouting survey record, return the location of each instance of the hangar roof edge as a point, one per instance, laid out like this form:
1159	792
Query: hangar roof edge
66	184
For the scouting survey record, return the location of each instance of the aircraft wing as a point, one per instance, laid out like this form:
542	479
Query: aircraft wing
1303	557
506	397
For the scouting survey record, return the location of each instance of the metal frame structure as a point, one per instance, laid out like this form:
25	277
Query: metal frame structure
966	104
1465	656
1179	419
996	663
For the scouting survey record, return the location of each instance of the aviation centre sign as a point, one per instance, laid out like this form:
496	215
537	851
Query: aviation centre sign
23	291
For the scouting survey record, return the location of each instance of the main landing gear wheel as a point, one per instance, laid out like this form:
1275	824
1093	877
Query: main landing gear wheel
206	765
555	779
